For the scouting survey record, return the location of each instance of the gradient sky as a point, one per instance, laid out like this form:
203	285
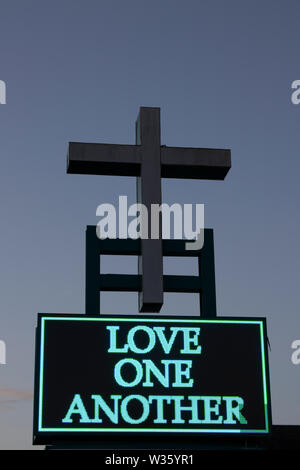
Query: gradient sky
221	72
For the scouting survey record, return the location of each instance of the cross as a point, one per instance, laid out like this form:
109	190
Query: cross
149	161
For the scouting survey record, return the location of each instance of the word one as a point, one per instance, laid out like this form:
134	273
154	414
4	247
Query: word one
2	92
160	222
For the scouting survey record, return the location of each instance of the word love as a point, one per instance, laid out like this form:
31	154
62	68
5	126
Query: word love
151	336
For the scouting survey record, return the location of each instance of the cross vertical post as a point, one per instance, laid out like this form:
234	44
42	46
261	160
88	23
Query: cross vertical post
150	262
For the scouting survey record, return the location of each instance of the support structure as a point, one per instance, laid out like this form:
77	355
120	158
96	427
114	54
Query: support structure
96	282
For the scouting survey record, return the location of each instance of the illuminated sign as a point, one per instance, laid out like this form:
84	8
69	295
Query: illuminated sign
112	374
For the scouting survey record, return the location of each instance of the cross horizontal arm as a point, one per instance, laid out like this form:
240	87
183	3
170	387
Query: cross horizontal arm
197	163
125	160
104	159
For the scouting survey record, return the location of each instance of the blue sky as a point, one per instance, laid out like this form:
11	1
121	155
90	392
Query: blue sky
221	72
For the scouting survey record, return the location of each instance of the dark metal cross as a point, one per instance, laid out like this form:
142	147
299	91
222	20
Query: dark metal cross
149	162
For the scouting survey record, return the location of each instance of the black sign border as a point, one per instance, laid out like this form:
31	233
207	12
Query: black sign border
50	437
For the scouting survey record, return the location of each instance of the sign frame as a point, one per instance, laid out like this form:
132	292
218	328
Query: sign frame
42	435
